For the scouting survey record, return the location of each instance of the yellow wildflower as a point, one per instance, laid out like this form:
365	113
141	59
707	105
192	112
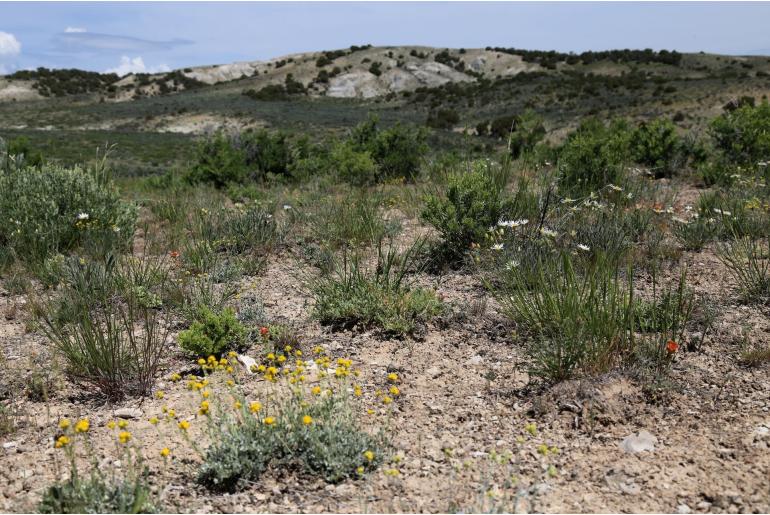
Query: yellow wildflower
393	377
123	424
268	421
316	390
255	406
61	442
531	428
165	452
175	377
124	437
394	390
111	424
307	420
159	394
184	425
369	455
154	420
357	391
82	426
64	423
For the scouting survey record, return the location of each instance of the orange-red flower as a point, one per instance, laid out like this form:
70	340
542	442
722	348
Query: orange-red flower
174	254
263	331
672	346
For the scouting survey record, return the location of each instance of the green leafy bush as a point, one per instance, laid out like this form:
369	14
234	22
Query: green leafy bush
213	333
472	203
528	131
52	209
593	157
352	166
222	159
742	136
398	151
657	146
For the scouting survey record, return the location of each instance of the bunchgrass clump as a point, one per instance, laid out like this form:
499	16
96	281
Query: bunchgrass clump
748	261
380	296
107	322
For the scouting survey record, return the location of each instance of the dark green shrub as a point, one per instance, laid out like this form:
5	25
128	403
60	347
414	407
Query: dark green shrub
472	203
443	119
528	131
657	146
593	157
213	333
742	136
218	162
398	151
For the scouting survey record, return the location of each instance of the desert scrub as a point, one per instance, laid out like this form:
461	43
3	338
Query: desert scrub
472	202
380	296
398	151
53	209
119	490
213	333
107	322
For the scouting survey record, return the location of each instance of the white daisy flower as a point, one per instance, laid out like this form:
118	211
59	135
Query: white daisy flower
83	216
584	248
497	246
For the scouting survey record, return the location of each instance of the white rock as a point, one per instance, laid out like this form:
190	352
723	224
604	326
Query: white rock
683	508
247	362
644	441
474	360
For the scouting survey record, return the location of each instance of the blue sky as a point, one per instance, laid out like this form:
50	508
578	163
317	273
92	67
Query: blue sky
153	36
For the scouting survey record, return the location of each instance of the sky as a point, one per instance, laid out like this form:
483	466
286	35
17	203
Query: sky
124	37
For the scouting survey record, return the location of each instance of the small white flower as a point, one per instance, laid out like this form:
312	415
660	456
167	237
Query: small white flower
584	248
83	216
545	231
720	212
511	264
497	246
286	207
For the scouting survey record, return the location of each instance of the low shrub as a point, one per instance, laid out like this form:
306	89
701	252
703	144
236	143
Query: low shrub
51	210
472	202
211	334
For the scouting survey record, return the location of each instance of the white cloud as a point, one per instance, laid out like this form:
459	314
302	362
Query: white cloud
9	45
136	65
71	30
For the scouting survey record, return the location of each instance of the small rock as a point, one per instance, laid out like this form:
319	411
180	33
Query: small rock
10	445
644	441
247	362
683	508
435	409
474	360
260	497
128	413
433	372
703	505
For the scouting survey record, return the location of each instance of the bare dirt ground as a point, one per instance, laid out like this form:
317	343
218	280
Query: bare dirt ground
465	398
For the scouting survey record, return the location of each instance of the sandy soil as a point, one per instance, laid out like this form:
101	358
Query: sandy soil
465	396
